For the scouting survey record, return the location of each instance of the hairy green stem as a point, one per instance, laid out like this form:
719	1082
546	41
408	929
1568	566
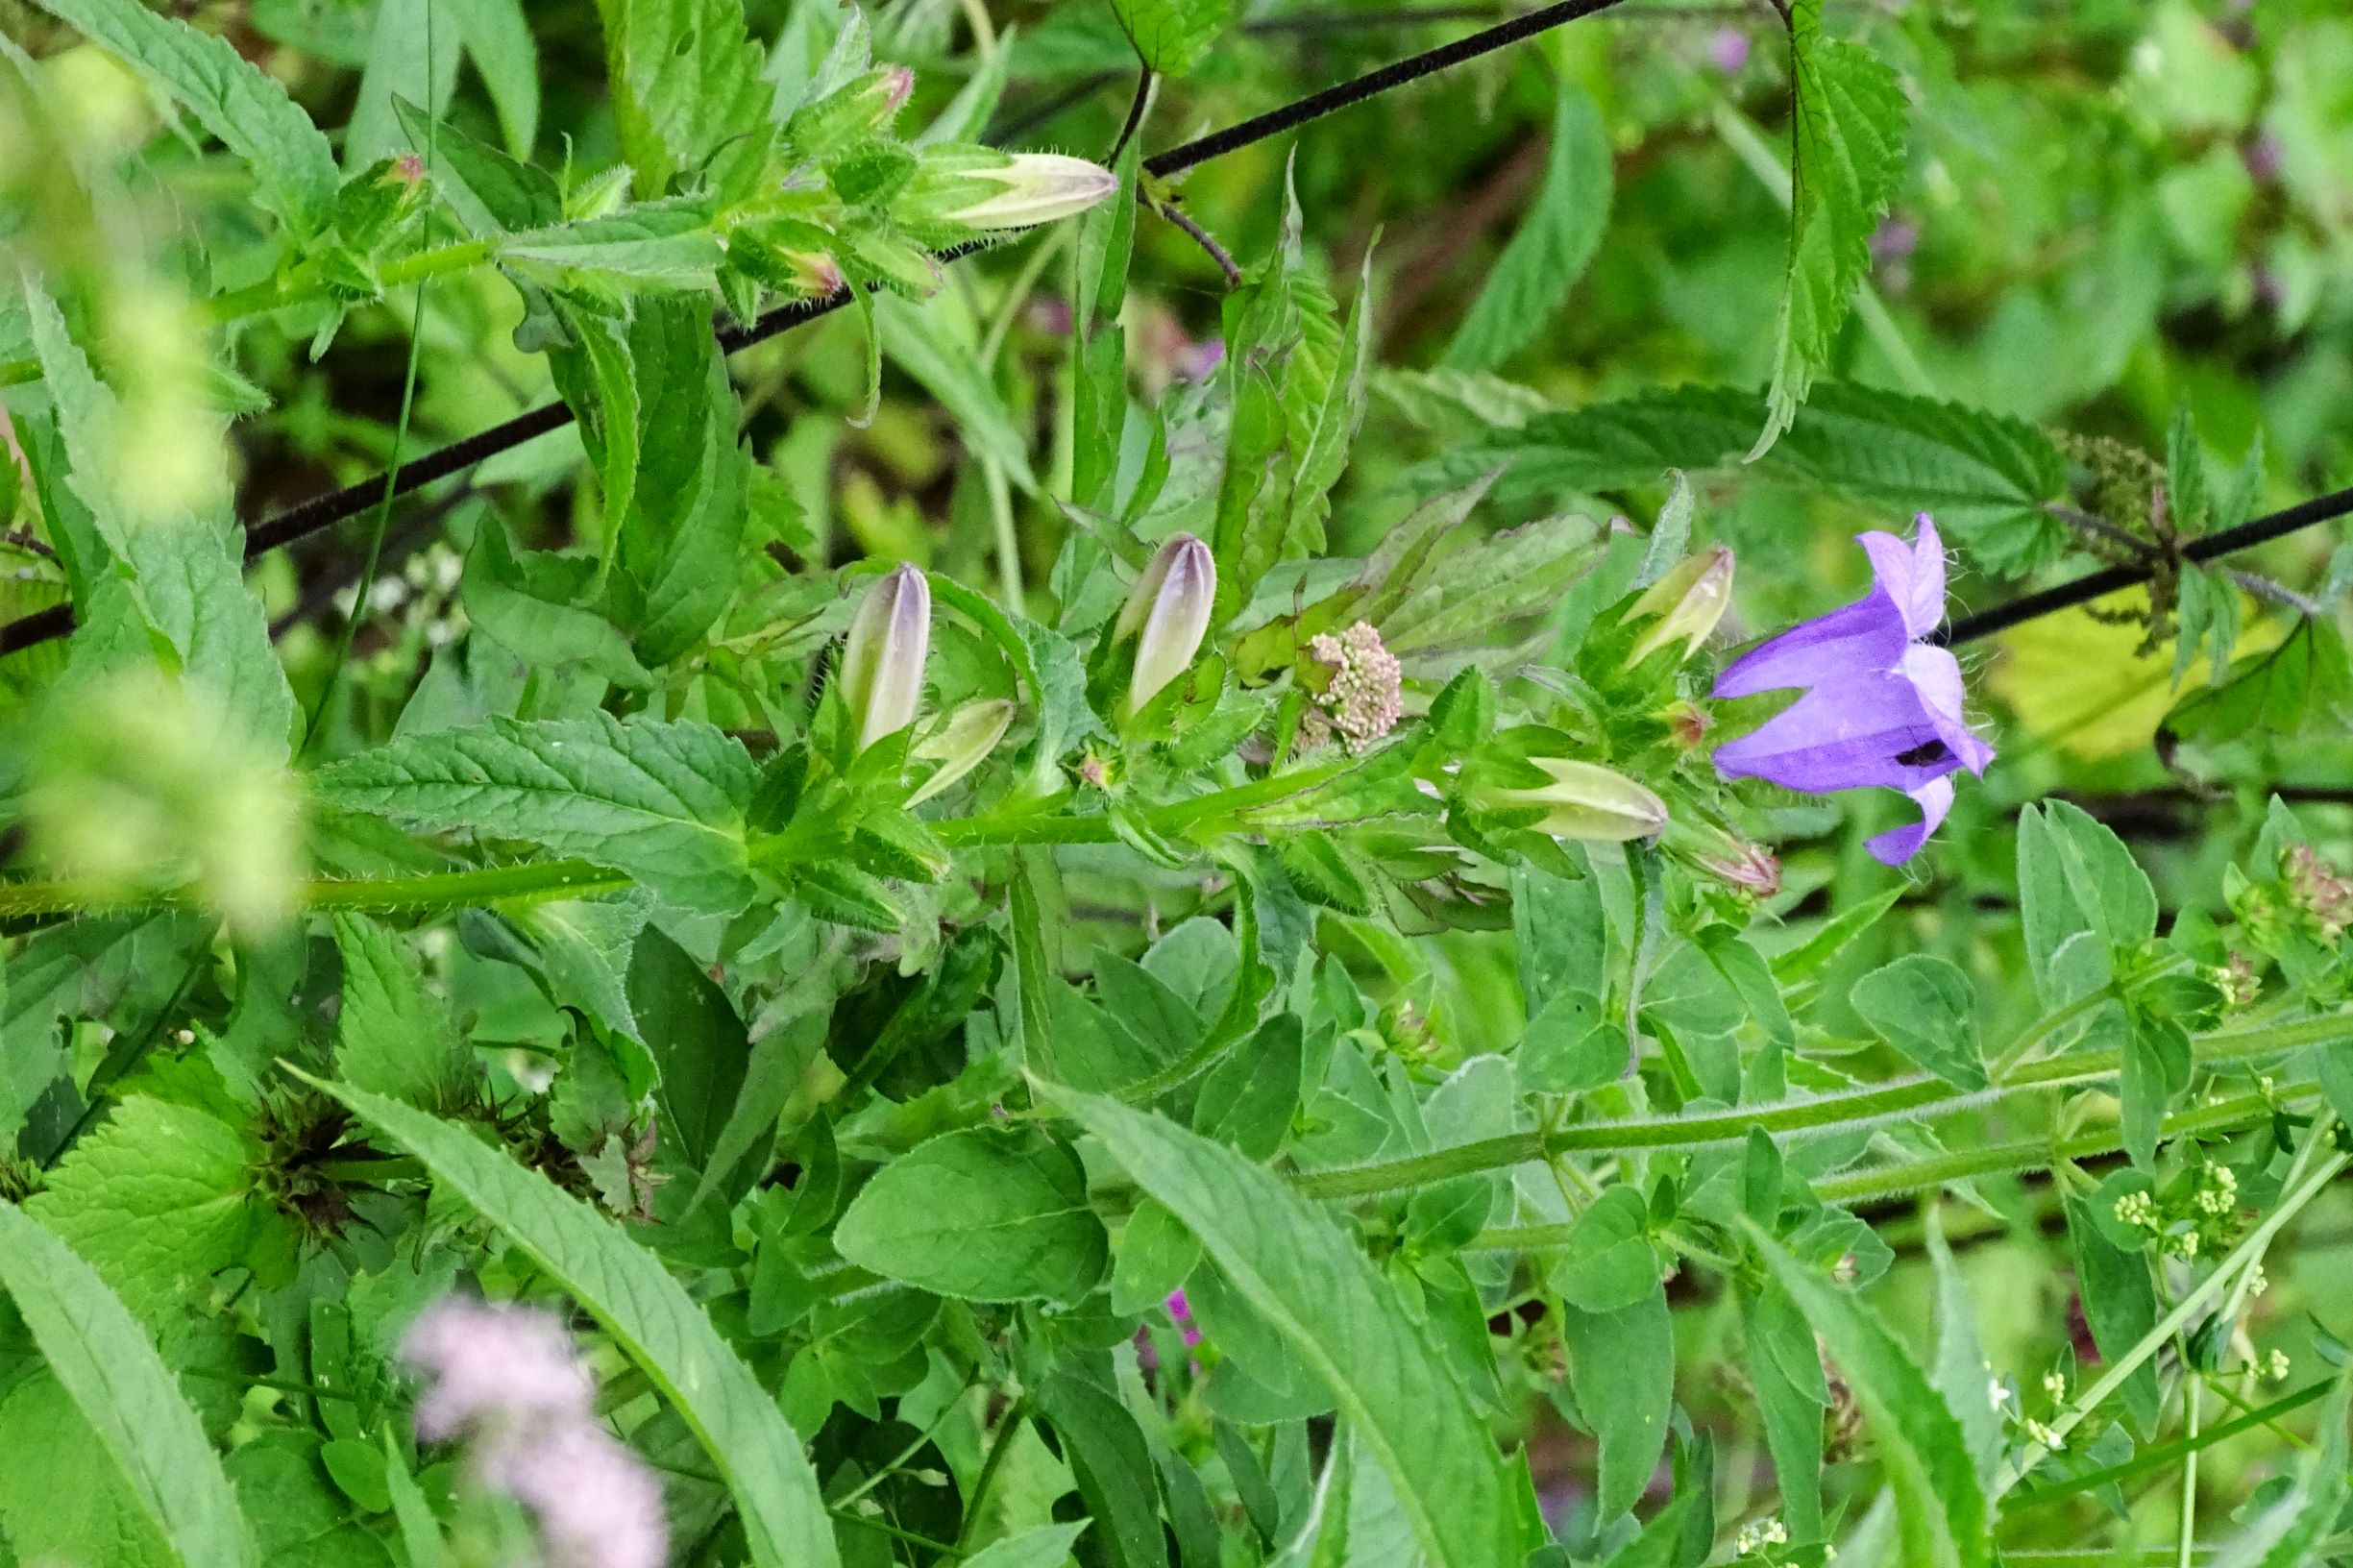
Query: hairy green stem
1908	1099
2165	1454
303	286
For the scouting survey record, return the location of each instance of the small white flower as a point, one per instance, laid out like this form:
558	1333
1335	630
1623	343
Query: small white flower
1997	1393
2044	1436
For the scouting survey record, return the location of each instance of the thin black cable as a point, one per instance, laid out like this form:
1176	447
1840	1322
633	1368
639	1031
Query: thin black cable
1316	106
2093	585
337	507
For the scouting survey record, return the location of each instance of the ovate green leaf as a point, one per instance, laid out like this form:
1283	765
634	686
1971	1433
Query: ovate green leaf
986	1214
1926	1009
393	1036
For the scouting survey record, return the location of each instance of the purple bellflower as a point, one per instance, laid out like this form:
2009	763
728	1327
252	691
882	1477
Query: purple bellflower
1879	707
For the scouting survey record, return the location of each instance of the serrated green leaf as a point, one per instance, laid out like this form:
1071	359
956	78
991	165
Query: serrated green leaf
1848	112
526	605
648	1312
1940	1505
1339	1318
1549	251
293	166
689	98
394	1037
158	1199
664	804
109	1368
1171	37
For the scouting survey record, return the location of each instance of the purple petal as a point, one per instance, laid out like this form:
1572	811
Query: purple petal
1912	575
1898	845
1936	676
1859	731
1864	636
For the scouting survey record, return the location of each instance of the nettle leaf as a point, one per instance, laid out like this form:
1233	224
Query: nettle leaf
1940	1507
1983	475
1171	37
293	165
1337	1316
1964	1376
1295	379
1549	251
394	1037
688	95
159	1199
663	803
1926	1009
103	1359
1848	118
649	1313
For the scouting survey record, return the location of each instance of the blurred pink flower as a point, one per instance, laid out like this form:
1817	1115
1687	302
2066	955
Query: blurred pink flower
1728	49
510	1382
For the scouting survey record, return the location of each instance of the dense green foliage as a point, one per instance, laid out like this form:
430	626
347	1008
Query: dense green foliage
1087	844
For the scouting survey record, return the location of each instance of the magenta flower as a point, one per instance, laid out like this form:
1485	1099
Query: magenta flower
1879	707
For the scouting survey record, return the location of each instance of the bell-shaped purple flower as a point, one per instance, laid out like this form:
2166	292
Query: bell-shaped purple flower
1879	707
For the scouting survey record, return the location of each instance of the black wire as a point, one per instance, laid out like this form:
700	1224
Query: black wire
2093	585
1316	106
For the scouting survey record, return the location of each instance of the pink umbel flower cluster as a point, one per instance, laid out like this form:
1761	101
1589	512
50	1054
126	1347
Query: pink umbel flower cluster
508	1381
2323	893
1366	692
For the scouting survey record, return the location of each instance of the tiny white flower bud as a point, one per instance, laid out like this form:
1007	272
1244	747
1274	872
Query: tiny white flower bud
1689	602
962	744
1171	603
882	659
1584	801
1039	188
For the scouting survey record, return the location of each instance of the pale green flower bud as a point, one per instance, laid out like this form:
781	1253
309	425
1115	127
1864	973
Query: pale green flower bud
1039	187
1689	602
1584	801
962	744
1171	603
881	676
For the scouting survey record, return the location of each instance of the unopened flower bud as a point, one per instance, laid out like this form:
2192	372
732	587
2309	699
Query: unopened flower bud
1689	602
882	660
1584	801
962	744
1171	603
1039	187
